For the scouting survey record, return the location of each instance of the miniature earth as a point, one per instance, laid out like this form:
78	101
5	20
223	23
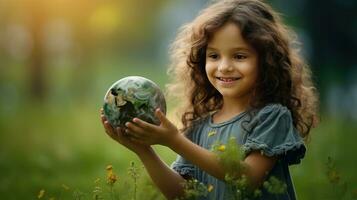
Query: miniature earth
130	97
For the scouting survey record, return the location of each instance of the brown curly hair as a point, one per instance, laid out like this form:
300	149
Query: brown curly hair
283	76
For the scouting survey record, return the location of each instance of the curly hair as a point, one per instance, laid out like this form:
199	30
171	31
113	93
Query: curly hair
283	76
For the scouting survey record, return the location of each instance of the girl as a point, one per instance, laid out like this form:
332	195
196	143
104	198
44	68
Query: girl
237	74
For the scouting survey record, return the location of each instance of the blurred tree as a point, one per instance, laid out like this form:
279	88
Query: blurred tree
37	19
328	30
94	31
333	29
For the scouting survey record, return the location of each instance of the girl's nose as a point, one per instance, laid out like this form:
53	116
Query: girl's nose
225	66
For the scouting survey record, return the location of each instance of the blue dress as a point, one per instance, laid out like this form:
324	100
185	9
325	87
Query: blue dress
273	134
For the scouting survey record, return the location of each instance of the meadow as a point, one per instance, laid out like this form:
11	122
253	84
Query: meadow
60	147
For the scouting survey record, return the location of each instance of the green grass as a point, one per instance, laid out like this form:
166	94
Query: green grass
61	141
43	148
335	138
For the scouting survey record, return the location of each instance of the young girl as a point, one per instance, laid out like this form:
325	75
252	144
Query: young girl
238	75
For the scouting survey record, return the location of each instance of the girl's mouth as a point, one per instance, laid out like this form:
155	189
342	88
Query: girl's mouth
227	79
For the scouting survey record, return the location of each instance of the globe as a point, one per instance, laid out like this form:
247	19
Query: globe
133	96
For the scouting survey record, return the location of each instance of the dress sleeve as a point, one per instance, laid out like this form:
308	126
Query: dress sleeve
275	135
183	167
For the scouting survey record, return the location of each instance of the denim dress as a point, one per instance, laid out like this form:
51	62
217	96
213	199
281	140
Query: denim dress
272	133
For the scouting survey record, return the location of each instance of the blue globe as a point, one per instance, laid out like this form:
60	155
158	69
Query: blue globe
133	96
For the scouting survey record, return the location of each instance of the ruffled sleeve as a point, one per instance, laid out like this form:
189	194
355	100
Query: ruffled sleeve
275	135
183	167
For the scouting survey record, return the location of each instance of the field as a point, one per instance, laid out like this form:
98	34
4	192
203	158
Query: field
59	146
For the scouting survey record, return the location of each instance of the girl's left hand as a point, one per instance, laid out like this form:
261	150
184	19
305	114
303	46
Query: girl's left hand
150	134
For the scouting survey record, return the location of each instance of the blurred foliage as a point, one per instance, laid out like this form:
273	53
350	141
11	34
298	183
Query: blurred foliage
58	58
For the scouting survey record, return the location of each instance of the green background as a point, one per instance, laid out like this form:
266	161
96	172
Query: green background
58	58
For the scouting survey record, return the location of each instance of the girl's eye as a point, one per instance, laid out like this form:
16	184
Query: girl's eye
213	56
239	56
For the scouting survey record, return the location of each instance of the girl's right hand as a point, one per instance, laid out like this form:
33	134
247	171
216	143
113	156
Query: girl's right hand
118	134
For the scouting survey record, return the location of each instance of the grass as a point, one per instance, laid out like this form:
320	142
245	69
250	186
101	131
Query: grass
62	146
334	138
43	148
61	141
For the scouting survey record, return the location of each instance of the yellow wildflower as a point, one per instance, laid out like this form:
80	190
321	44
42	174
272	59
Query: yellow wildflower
213	132
209	188
221	147
41	194
52	198
111	177
109	167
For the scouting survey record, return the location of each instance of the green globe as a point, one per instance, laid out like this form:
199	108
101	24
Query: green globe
133	96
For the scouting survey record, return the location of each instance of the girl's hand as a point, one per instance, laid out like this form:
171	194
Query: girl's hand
118	134
149	134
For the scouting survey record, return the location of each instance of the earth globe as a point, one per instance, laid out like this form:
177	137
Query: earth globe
133	96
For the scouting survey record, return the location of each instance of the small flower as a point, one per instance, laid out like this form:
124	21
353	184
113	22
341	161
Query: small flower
109	167
52	198
64	186
111	177
209	188
41	194
211	133
221	147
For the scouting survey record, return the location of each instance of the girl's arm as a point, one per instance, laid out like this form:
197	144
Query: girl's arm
170	183
257	165
167	180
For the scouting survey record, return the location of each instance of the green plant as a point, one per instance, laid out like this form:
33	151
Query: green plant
134	173
193	189
339	187
231	157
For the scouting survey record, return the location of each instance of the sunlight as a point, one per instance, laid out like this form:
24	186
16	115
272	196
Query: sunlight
105	19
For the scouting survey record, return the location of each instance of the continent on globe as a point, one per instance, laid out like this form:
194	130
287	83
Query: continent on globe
133	96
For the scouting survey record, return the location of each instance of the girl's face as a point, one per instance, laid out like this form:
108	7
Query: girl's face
231	63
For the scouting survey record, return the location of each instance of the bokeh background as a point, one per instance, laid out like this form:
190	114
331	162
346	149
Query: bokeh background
58	58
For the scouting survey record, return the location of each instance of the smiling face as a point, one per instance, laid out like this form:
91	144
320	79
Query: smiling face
231	63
